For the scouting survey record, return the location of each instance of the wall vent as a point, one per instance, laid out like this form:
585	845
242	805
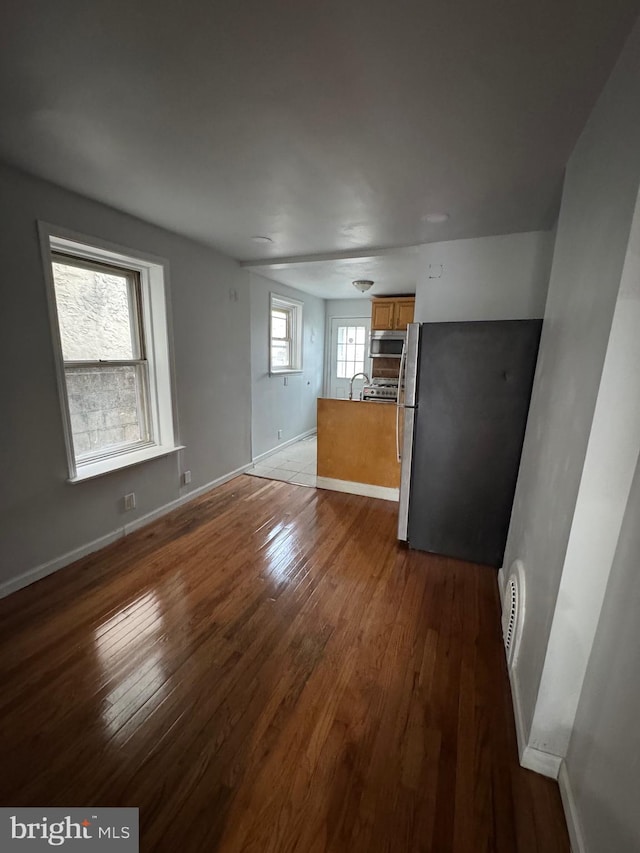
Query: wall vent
513	612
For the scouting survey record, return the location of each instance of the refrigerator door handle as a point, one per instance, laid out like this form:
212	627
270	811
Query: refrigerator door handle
398	405
405	473
407	383
403	364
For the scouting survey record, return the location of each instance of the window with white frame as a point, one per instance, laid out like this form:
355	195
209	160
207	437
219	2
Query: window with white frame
285	353
351	353
109	322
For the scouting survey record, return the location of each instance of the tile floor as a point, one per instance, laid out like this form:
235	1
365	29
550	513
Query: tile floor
295	463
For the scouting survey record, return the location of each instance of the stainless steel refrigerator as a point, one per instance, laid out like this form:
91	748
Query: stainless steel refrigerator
463	401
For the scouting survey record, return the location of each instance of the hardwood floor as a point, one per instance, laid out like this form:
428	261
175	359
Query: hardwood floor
266	669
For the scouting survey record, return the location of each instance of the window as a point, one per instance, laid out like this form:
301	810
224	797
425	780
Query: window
285	335
351	351
106	371
108	311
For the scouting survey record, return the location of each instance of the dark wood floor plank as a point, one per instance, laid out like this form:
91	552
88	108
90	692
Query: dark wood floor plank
267	669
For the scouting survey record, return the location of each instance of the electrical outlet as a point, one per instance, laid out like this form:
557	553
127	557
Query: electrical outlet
279	433
286	381
129	501
186	478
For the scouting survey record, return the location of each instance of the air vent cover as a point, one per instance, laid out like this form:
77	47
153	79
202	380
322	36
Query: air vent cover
513	612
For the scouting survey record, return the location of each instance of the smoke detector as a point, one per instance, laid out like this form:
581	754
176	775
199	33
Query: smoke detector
362	284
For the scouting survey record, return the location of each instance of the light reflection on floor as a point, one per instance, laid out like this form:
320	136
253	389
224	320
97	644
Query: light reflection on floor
132	637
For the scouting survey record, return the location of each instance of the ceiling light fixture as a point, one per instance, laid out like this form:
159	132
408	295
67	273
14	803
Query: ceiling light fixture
259	239
435	218
362	284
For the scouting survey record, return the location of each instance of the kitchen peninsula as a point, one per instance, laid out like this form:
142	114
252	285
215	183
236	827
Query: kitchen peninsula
357	445
357	448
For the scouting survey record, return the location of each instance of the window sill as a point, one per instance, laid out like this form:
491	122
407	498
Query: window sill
116	463
284	372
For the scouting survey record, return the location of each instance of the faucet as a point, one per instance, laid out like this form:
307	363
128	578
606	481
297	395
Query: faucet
355	376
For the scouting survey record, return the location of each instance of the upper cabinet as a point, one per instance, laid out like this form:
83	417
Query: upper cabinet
404	312
382	313
390	313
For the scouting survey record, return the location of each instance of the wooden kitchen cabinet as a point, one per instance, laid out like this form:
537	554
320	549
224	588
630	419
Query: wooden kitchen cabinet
404	309
382	314
357	444
388	313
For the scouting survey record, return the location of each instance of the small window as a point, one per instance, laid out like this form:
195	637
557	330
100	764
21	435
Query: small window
351	351
285	335
109	321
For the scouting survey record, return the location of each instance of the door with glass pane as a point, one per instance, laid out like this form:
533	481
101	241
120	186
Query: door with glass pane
349	355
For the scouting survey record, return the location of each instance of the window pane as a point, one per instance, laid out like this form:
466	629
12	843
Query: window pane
286	333
97	320
107	407
280	354
351	351
279	323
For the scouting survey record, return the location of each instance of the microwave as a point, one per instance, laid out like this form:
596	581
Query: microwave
386	344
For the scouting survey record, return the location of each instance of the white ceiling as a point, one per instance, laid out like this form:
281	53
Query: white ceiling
331	127
393	271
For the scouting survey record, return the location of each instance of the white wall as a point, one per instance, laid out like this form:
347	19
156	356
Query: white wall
602	762
42	517
488	278
347	308
601	186
610	460
275	406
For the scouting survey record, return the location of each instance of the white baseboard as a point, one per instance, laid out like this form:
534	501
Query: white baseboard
284	444
545	763
48	568
183	499
501	584
521	732
537	760
574	826
367	490
541	762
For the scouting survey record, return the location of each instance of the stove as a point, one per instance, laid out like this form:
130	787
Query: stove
381	390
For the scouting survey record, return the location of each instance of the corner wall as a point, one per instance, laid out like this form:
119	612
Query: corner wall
42	517
602	762
276	406
592	246
610	460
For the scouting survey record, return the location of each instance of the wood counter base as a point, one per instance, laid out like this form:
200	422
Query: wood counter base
357	443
